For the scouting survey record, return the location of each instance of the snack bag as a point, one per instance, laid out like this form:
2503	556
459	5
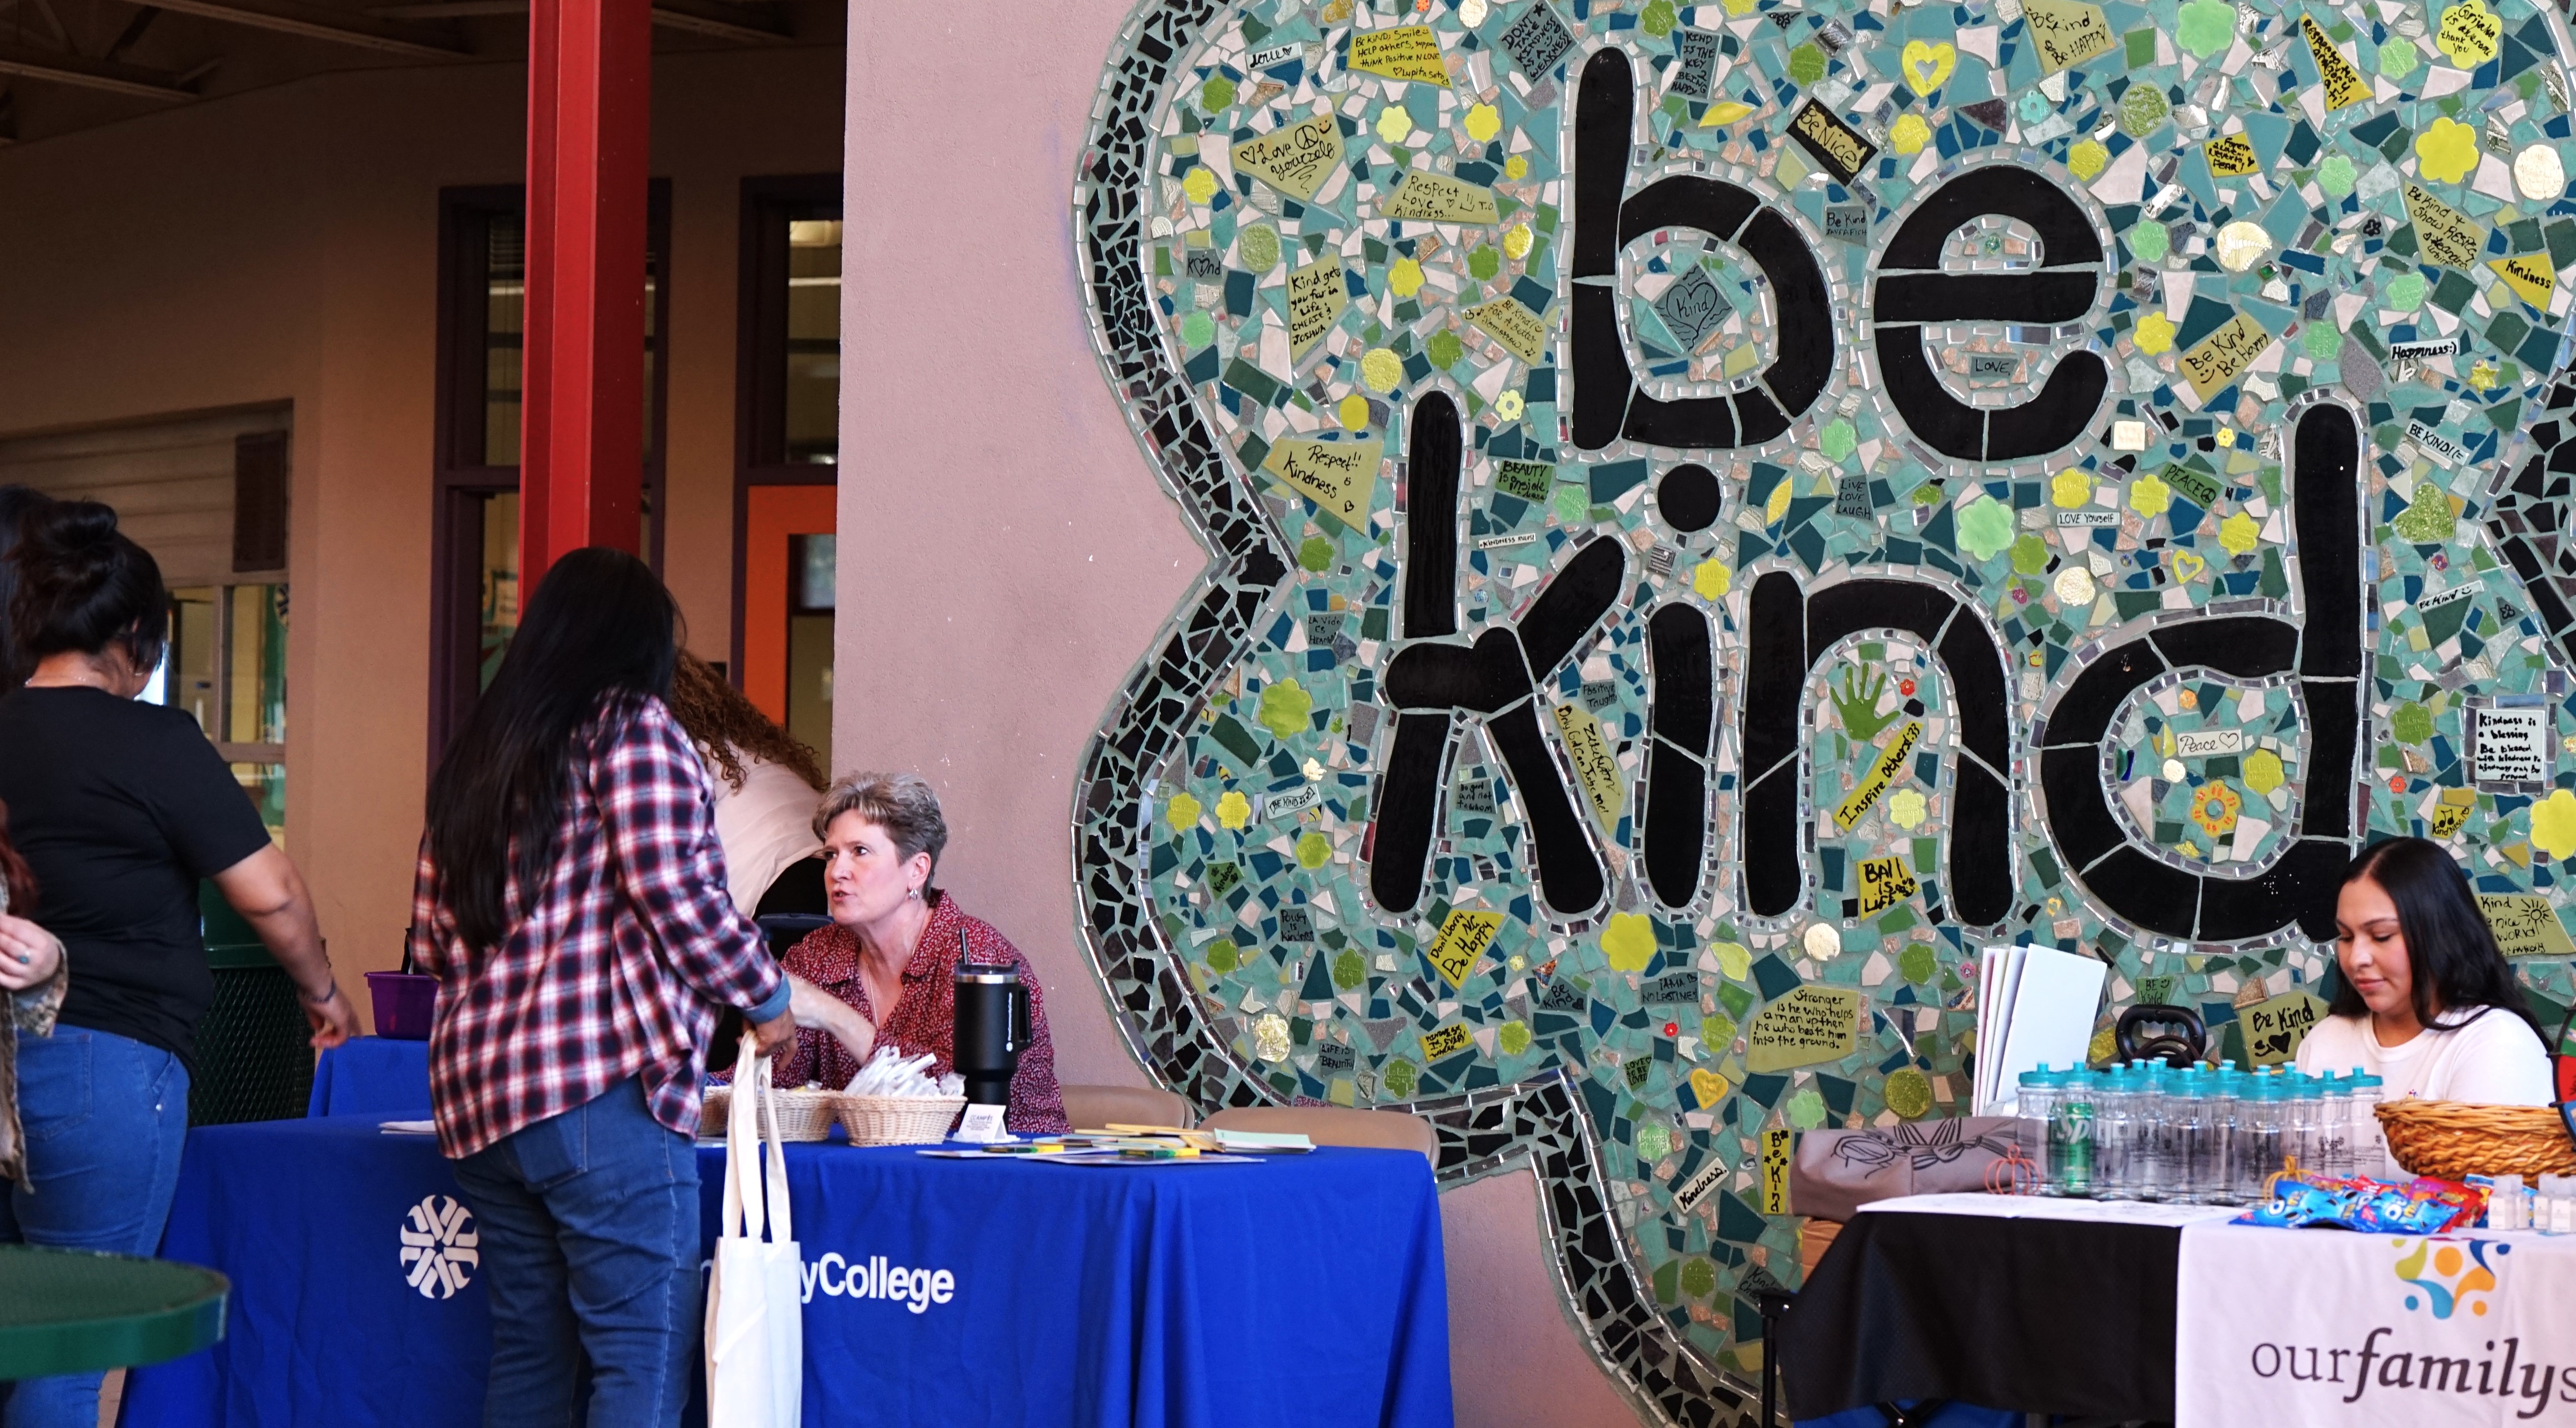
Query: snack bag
2304	1199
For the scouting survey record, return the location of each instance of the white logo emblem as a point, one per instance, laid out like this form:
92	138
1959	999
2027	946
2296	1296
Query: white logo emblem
440	1247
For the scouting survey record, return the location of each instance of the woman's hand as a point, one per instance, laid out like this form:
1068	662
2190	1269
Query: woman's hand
29	955
333	1019
813	1006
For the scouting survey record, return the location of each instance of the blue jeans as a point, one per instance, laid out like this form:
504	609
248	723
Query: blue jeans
590	1252
106	1117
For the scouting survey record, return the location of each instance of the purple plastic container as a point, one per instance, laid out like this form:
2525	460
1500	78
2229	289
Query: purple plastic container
405	1003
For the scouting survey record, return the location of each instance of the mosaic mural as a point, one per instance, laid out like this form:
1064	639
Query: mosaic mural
1721	513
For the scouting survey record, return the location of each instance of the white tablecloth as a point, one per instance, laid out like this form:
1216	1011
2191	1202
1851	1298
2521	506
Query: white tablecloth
2040	1207
2288	1327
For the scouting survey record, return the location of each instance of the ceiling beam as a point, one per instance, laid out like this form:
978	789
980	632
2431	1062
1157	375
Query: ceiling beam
134	32
751	24
315	22
722	19
449	9
104	75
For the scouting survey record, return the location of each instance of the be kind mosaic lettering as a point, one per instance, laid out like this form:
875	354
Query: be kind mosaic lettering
1720	513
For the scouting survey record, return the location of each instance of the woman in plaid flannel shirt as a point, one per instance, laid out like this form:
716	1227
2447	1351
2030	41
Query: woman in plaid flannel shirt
571	902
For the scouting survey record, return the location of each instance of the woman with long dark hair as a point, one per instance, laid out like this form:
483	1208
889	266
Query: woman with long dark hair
2426	1001
571	902
120	808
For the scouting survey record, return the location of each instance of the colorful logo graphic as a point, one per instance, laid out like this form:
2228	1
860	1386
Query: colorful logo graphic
2448	1275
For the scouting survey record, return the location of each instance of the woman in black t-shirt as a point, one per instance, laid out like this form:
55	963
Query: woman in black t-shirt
119	809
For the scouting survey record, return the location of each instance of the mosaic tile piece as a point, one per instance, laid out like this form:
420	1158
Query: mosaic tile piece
1720	513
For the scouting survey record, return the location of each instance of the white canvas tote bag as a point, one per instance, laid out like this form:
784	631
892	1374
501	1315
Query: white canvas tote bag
755	1309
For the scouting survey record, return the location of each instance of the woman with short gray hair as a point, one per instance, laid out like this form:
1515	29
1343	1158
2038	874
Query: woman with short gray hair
884	972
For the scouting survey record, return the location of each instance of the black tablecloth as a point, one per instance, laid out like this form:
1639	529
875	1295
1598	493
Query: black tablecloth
2040	1316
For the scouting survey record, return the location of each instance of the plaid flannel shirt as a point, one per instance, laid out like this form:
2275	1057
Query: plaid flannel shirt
615	965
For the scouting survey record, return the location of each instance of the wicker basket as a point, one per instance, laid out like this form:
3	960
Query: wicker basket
899	1120
2452	1139
804	1115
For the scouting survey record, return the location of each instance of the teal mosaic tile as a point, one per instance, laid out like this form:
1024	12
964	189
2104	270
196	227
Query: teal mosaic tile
1718	506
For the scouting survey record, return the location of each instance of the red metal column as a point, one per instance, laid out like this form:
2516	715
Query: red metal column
581	445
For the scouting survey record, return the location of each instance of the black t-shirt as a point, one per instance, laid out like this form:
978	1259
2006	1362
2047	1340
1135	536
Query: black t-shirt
119	808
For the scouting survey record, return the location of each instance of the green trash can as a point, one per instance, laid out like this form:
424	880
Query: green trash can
254	1052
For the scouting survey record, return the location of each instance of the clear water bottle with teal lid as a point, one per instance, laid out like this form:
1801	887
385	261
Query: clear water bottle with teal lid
2115	1134
2303	1133
2037	1099
2150	1150
2334	1124
2262	1111
2199	1137
2227	1092
2369	1142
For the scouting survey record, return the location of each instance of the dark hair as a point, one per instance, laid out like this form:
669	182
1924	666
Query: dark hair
83	585
15	501
599	622
2450	950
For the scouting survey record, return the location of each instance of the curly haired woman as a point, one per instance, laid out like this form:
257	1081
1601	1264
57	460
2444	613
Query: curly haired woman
766	786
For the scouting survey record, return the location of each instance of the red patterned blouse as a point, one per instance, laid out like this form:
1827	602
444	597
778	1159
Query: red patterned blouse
925	1019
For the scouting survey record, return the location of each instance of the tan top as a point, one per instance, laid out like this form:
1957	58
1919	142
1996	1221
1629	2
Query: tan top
764	826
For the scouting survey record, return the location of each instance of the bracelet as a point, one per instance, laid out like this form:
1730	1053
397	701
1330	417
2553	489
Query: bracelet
323	1000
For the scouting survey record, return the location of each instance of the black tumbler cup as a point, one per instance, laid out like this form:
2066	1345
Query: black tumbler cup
992	1027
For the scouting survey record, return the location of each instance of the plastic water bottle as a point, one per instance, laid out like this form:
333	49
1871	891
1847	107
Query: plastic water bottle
2227	1094
2303	1131
2199	1138
2038	1099
2369	1141
2115	1135
2150	1154
2071	1144
2334	1125
2261	1136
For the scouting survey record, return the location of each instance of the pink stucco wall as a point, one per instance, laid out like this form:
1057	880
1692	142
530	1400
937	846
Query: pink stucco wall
1007	554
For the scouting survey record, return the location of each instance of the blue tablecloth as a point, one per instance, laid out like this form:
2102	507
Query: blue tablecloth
1300	1290
372	1076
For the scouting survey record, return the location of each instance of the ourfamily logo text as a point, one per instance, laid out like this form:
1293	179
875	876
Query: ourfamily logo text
2507	1375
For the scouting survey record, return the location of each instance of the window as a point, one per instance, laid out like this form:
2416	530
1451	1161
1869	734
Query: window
811	571
475	546
207	495
788	445
227	668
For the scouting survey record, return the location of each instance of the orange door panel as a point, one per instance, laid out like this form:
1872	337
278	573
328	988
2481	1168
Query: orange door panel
777	513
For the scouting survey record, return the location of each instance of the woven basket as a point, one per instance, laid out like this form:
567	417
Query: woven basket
804	1115
899	1120
2453	1139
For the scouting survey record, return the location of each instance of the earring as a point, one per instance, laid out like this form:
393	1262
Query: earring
914	894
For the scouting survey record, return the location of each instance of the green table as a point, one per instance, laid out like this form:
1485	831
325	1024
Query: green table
71	1311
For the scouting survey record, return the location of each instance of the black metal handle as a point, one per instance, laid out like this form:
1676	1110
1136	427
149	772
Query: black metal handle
2176	1048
